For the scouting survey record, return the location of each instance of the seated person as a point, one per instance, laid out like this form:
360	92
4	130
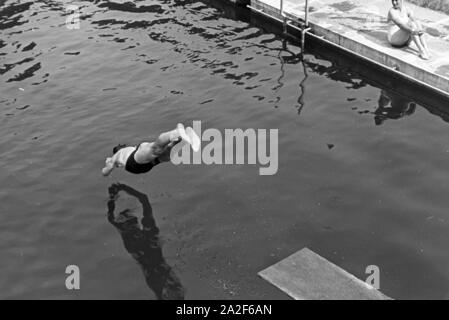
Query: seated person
406	29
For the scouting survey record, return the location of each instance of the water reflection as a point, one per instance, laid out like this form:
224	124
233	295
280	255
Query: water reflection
392	106
292	58
302	85
339	73
143	245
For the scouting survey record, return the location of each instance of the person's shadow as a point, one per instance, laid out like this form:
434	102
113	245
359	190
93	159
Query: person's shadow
392	106
143	245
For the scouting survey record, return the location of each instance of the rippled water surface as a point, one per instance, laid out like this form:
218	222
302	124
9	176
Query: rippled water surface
362	174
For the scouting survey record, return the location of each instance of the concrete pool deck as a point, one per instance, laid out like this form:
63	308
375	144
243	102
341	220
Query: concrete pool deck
361	27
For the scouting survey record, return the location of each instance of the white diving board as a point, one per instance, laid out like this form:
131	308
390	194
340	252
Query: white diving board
307	276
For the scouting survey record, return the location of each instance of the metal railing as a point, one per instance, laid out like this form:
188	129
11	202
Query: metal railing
305	28
306	12
306	25
286	21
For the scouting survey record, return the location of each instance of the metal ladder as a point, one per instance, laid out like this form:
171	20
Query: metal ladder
288	22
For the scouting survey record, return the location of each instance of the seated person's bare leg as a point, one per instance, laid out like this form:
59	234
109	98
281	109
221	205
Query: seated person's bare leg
418	26
422	51
424	43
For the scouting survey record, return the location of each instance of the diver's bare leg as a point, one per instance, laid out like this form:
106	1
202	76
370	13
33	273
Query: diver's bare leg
149	151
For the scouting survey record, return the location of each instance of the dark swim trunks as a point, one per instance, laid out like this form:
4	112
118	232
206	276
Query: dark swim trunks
138	168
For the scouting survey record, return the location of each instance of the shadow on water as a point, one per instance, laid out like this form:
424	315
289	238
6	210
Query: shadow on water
392	106
143	244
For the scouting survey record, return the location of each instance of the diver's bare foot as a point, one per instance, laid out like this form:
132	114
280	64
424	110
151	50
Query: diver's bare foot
182	133
195	140
176	133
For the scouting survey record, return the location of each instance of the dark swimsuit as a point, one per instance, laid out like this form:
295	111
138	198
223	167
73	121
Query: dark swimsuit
138	168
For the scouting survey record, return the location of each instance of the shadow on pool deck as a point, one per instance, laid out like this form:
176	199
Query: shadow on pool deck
362	27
